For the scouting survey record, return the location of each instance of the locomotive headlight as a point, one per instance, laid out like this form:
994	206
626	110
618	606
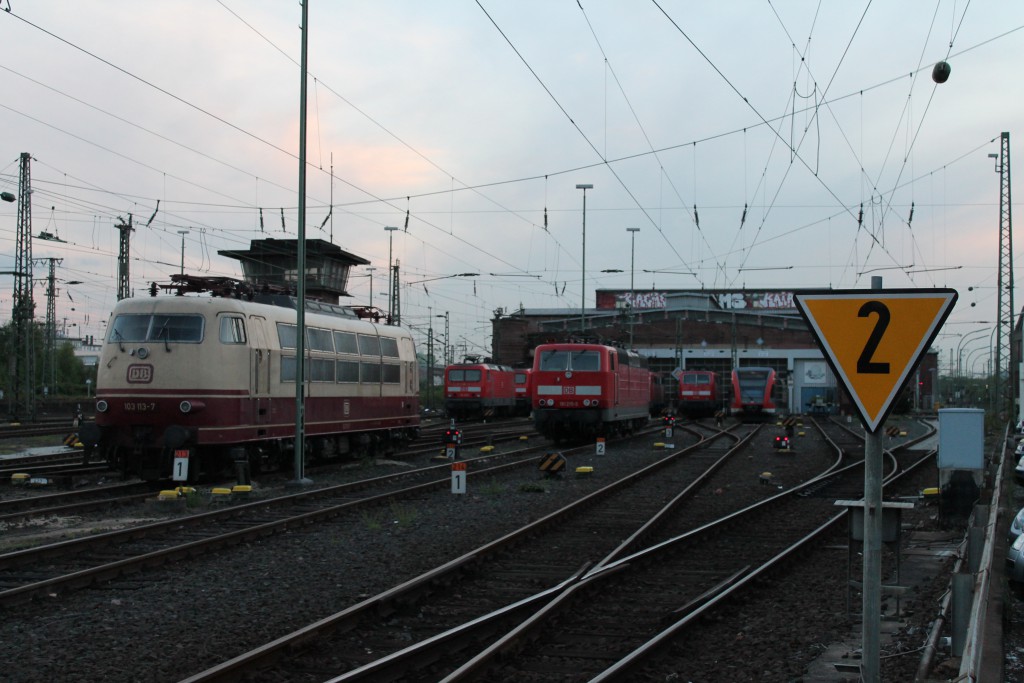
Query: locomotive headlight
187	407
101	406
586	403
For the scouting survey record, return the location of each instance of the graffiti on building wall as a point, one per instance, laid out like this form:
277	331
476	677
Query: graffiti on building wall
755	300
638	300
777	301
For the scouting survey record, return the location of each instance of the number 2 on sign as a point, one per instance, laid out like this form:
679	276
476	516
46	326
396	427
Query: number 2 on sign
865	365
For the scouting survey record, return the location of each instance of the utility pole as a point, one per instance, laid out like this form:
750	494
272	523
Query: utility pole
430	361
23	377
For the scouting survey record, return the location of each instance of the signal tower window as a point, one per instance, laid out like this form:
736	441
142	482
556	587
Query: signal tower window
232	330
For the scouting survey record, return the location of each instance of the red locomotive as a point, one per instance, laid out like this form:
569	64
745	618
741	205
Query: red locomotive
211	380
753	392
584	390
479	390
524	399
699	393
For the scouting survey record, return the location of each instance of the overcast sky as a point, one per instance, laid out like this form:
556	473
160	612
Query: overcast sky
754	144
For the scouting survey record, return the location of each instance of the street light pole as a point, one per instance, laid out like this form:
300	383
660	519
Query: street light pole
183	233
583	283
391	280
632	300
960	346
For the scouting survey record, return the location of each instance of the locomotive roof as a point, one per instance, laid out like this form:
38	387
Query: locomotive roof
277	308
490	366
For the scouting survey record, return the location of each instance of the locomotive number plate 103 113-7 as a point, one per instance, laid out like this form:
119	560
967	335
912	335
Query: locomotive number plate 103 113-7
139	406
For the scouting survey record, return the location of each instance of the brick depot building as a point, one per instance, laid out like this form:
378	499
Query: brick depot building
702	329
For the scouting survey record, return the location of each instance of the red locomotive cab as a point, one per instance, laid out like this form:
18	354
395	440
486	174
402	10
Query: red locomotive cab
474	390
699	393
522	391
566	377
753	392
583	390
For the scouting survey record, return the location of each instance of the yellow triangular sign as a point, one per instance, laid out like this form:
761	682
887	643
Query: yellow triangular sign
874	338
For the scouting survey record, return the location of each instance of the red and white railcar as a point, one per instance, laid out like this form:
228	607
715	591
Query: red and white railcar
753	392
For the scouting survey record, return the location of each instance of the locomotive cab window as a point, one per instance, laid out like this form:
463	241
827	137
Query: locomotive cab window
456	375
554	361
232	330
166	328
585	361
472	376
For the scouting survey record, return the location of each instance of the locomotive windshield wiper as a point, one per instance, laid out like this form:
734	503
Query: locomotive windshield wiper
166	336
117	335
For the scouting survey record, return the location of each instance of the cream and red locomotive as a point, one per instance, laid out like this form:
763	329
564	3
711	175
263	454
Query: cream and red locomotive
212	379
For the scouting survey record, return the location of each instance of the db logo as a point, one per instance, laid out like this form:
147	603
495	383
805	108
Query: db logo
140	374
569	391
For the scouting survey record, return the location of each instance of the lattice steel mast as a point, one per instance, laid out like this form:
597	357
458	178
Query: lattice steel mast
50	332
123	258
1005	391
22	404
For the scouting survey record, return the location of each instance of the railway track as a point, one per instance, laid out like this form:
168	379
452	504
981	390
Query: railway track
498	581
15	510
55	568
559	572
